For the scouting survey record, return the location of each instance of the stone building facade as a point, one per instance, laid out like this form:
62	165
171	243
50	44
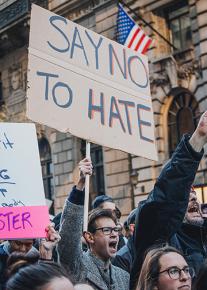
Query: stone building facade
178	78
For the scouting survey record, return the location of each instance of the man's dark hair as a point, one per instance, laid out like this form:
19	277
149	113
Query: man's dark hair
18	260
100	199
99	213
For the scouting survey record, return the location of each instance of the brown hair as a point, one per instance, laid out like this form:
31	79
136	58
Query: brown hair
99	213
151	267
18	260
36	276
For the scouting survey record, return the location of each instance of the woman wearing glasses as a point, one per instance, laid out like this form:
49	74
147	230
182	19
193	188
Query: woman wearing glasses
165	268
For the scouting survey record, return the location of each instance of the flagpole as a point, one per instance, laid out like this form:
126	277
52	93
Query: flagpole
86	200
148	24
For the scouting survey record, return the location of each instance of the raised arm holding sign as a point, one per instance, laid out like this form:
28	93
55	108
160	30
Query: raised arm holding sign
85	167
101	235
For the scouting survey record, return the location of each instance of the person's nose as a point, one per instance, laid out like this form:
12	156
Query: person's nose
184	276
23	249
114	233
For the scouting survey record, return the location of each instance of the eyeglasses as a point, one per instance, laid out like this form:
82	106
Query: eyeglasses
108	230
175	273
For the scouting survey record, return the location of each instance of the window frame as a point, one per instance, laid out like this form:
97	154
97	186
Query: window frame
201	192
169	18
47	174
180	101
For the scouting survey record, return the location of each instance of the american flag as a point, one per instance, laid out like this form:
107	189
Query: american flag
130	34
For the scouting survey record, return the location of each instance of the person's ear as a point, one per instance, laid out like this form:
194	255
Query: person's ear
89	237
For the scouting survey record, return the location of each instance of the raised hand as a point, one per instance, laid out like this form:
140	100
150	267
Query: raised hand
47	245
85	167
199	137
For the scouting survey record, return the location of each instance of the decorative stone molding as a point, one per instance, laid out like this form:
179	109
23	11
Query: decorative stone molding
175	74
78	9
17	93
186	71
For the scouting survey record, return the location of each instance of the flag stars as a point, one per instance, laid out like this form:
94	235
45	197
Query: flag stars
130	34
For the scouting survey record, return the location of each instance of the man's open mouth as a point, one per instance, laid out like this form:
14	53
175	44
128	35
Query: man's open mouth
194	209
113	245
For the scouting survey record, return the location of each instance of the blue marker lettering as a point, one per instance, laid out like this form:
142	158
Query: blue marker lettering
54	19
112	56
116	114
142	122
92	107
96	46
80	45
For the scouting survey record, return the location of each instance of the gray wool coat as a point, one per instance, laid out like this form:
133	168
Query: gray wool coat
84	266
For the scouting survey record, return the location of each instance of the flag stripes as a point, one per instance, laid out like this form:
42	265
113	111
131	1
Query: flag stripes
130	34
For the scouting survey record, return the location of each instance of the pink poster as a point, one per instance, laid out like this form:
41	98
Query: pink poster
23	222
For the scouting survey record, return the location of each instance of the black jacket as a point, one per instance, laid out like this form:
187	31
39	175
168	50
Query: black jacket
3	261
123	258
160	218
191	241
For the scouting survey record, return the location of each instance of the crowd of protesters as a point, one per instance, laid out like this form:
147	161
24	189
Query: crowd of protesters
163	245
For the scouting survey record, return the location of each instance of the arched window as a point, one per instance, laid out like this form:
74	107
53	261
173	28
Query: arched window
47	170
182	117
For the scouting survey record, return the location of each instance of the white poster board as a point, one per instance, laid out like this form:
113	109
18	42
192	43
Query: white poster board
23	211
83	83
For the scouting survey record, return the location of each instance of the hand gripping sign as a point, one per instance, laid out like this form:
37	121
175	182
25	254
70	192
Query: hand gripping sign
23	213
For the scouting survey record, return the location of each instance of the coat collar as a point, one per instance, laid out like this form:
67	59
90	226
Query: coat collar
97	269
99	263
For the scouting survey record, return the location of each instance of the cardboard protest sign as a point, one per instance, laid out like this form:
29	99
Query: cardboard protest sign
23	212
83	83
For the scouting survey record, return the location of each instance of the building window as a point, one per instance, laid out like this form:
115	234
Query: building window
179	25
47	171
97	179
201	192
183	116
